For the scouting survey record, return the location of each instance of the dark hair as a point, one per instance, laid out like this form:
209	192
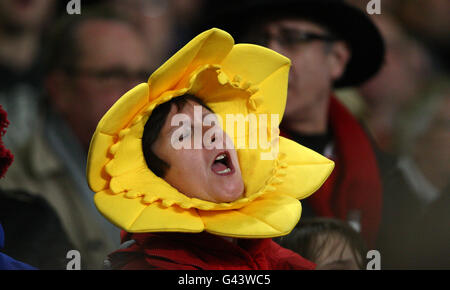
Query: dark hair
304	239
153	127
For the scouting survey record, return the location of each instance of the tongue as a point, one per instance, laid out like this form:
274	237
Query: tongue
218	166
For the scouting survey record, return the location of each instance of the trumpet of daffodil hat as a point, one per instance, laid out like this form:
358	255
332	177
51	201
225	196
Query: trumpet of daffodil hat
231	79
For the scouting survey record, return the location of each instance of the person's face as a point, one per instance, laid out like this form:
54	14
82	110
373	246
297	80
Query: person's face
112	60
208	174
406	62
336	255
314	67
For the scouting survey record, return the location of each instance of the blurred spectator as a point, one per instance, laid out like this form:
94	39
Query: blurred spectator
427	169
21	27
22	31
426	141
165	24
92	59
406	69
330	243
34	231
430	242
103	57
417	221
429	21
331	44
155	22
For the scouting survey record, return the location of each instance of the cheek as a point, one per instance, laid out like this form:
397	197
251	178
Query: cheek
311	68
185	162
187	173
94	101
103	103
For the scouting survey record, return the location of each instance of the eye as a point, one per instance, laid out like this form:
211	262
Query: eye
185	134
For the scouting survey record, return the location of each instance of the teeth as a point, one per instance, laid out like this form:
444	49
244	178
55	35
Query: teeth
220	157
224	171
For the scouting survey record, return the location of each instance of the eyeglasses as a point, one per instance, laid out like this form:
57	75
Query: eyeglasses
290	37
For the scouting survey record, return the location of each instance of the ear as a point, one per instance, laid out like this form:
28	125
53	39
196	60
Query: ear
58	87
338	58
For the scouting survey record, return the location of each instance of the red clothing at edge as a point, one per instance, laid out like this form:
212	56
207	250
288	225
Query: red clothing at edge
183	251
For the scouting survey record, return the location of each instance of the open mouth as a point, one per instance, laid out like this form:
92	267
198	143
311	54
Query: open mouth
222	164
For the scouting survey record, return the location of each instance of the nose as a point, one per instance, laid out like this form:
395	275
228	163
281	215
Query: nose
214	137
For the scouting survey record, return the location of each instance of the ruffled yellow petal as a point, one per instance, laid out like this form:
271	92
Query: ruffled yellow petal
209	47
158	218
124	110
130	142
303	170
118	209
97	177
267	97
245	60
271	216
134	216
111	123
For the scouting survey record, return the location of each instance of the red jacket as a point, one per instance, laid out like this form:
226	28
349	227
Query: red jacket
184	251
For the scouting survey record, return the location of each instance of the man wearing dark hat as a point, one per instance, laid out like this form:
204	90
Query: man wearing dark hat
331	45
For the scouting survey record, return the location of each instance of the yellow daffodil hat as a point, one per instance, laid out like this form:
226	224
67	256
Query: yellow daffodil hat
231	79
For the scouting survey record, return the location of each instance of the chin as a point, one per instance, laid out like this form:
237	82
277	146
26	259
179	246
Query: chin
231	193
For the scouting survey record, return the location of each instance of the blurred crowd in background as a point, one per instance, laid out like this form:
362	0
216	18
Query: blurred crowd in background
60	73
